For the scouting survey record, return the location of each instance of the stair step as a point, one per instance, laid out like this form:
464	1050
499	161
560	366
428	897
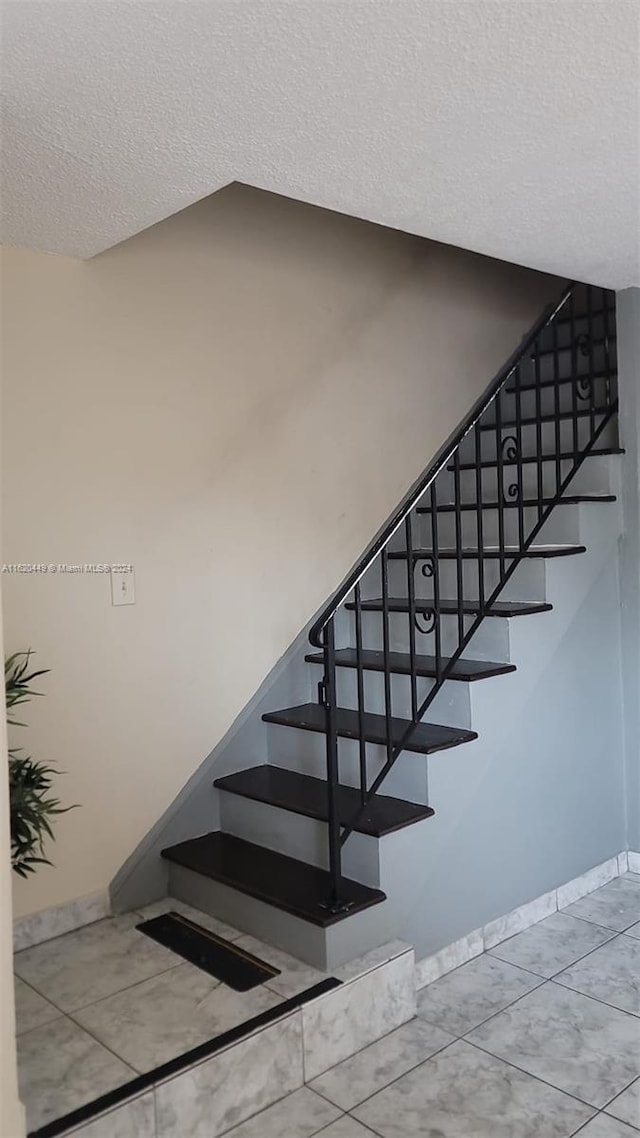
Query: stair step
426	738
301	794
528	458
274	878
597	342
531	384
450	608
400	664
566	500
531	420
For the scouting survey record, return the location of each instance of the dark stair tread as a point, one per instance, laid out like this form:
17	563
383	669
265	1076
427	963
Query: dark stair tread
566	455
301	794
582	377
566	500
597	342
492	552
532	420
400	664
274	878
426	737
450	608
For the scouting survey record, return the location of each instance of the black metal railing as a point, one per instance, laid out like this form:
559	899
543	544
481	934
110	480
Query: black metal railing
514	456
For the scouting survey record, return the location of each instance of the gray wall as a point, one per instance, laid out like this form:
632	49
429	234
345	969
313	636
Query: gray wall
628	303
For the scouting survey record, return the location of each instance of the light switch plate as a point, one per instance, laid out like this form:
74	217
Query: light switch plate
123	588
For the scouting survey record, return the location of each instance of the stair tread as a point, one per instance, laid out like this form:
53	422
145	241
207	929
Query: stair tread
492	552
426	738
528	458
566	500
400	664
274	878
450	608
302	794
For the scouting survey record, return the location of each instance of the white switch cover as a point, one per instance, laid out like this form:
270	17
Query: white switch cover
123	588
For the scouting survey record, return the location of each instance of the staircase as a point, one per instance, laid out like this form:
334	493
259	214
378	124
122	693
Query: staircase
398	645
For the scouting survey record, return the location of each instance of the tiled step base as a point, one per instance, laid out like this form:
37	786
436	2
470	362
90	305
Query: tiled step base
377	994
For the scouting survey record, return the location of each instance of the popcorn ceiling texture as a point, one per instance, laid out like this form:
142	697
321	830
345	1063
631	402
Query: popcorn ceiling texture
509	127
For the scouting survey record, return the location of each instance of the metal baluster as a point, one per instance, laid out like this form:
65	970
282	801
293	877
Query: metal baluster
592	382
539	450
335	855
574	372
384	570
412	616
500	467
556	407
459	561
436	582
479	514
360	681
607	347
519	475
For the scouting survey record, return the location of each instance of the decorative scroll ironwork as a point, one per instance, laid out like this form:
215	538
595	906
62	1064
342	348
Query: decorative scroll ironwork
429	616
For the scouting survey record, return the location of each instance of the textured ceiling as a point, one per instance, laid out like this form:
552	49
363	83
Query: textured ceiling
510	127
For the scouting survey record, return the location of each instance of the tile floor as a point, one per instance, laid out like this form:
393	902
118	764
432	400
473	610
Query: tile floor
537	1038
96	1007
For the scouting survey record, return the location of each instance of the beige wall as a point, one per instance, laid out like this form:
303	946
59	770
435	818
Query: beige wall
233	401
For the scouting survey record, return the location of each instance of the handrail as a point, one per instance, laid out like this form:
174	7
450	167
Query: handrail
440	461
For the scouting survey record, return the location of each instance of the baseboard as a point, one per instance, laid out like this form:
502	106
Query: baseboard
478	941
49	923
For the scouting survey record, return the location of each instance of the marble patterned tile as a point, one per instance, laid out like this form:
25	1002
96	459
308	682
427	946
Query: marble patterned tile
575	1043
633	861
552	945
626	1106
360	1076
370	960
295	976
32	1010
446	959
465	998
49	923
463	1093
171	904
299	1115
347	1019
169	1014
634	931
347	1128
97	961
623	862
587	882
60	1068
216	1095
632	876
604	1127
610	974
614	906
521	918
135	1119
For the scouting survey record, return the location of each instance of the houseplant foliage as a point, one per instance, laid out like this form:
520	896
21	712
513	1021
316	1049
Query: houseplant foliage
31	804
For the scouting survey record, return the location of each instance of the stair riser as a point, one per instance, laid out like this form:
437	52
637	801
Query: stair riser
528	436
528	581
491	641
598	392
450	707
561	528
322	948
305	751
592	479
296	836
